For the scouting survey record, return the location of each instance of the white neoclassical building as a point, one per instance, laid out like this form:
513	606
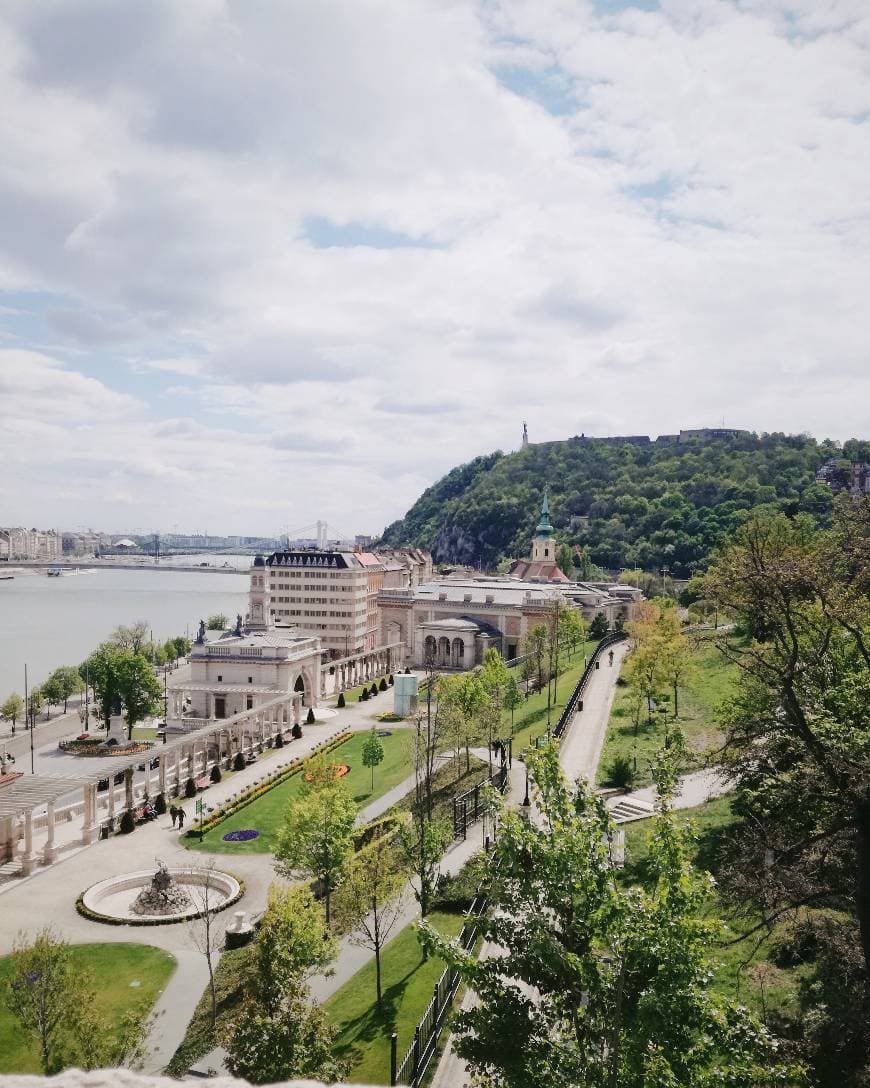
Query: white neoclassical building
241	671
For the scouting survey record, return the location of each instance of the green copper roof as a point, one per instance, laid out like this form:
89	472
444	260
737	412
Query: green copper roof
545	526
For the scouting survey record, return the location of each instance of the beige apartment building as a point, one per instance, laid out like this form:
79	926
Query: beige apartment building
17	543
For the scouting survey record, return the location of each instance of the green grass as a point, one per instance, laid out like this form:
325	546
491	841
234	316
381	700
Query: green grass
742	971
352	695
144	732
114	968
709	685
408	982
266	814
530	719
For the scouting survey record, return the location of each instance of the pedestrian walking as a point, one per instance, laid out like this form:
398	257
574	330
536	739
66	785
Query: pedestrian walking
611	657
180	818
173	812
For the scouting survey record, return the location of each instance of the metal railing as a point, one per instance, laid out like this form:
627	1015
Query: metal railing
468	807
418	1057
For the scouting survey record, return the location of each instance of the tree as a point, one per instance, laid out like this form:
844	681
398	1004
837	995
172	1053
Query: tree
596	983
296	1043
12	709
292	945
493	676
138	688
131	638
676	665
217	622
317	836
203	930
40	991
565	559
52	693
69	682
535	645
572	629
103	669
599	626
798	747
369	899
423	843
35	703
465	695
97	1048
513	698
372	752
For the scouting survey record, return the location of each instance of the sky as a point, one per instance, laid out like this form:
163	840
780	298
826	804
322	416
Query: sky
268	261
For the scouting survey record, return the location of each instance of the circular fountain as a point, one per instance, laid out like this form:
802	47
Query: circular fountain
155	898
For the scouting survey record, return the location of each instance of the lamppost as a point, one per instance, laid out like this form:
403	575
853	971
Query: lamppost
526	801
664	572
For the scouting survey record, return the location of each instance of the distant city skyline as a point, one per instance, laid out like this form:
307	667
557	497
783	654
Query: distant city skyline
264	263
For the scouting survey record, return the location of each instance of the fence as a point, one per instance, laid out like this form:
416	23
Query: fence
468	807
418	1057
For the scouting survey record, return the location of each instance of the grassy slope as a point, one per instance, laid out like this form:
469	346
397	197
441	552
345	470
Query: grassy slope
743	971
710	683
408	982
266	814
530	719
115	967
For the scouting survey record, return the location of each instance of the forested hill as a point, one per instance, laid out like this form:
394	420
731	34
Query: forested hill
646	505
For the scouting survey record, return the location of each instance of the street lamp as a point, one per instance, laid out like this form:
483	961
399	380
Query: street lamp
526	801
664	572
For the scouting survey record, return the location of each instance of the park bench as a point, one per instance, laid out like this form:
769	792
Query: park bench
202	783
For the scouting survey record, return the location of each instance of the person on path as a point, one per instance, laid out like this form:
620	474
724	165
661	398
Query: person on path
180	818
610	655
173	812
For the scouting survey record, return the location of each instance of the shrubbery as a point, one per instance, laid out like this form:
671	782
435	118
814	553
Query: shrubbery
160	804
341	700
309	718
127	823
239	762
364	695
190	788
215	773
383	685
621	772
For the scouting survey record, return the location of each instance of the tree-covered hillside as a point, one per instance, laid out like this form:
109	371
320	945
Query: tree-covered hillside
646	506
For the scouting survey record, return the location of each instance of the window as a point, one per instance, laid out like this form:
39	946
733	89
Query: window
250	679
249	702
220	678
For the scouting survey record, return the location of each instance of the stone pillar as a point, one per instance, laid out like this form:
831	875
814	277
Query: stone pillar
27	858
49	853
161	774
111	799
128	789
89	822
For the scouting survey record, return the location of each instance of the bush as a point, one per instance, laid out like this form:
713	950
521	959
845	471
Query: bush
215	773
363	695
383	685
239	762
296	731
621	772
456	893
374	690
279	741
190	788
341	700
309	718
127	823
391	681
160	804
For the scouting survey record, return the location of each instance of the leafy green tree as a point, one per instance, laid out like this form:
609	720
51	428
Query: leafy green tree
298	1042
103	669
35	703
40	992
535	645
52	693
12	709
423	843
372	752
513	698
597	984
217	622
572	629
369	900
565	559
132	637
317	837
69	682
599	626
798	748
465	696
138	688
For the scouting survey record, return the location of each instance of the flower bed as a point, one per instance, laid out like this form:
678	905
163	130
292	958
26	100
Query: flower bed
96	746
232	805
245	835
339	771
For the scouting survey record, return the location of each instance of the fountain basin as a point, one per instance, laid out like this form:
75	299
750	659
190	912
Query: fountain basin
111	900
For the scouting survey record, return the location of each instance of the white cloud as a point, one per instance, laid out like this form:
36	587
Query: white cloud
670	224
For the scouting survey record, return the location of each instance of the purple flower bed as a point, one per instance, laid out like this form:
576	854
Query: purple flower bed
245	835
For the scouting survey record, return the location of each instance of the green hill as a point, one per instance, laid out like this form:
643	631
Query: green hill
647	505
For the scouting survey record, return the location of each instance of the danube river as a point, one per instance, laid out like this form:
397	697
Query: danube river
46	622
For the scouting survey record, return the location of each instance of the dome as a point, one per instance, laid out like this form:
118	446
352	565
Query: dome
259	561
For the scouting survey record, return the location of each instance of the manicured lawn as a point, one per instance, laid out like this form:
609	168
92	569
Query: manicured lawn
530	719
115	967
709	685
266	814
408	982
383	700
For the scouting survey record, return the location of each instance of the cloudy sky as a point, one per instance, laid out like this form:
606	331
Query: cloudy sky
263	262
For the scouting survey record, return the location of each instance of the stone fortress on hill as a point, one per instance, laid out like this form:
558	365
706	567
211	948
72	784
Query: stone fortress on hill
703	434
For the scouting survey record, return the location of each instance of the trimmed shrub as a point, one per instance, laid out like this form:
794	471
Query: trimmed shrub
374	690
364	695
383	685
341	700
296	731
127	823
215	773
309	719
190	788
160	804
279	741
391	681
239	762
621	772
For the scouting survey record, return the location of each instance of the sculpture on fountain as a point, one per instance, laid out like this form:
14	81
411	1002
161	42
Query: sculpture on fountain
163	896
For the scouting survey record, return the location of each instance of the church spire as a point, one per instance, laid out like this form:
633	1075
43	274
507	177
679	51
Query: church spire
545	526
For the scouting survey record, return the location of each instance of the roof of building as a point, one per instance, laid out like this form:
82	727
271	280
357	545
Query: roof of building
453	625
545	526
538	571
313	558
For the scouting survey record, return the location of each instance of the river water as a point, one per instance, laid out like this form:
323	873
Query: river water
46	622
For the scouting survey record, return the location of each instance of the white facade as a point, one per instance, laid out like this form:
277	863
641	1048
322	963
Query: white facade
17	543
